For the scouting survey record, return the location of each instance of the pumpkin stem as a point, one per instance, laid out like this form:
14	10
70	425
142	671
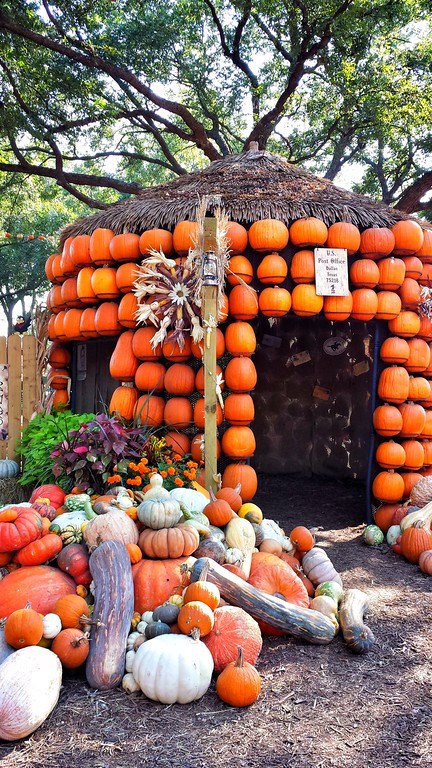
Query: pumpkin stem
78	640
195	634
239	660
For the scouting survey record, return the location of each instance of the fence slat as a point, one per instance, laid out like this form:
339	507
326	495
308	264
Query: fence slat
3	443
29	383
15	392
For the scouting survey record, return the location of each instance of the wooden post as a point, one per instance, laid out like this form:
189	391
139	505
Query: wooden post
210	309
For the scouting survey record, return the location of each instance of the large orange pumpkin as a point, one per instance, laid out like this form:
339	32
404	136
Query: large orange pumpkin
23	527
156	580
391	273
365	304
80	251
239	267
88	323
178	413
272	270
123	401
84	287
149	410
240	339
142	346
156	240
408	237
106	319
268	235
126	310
388	486
395	350
419	355
40	585
243	302
308	232
123	363
237	237
172	350
376	242
72	324
305	300
275	302
338	307
69	293
409	293
364	273
125	276
387	420
239	473
240	374
99	246
150	377
238	442
279	581
239	409
389	305
393	384
413	266
184	237
406	324
104	284
125	247
390	455
413	419
344	235
233	627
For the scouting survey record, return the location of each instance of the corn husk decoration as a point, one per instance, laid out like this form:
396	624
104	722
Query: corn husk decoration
176	288
425	303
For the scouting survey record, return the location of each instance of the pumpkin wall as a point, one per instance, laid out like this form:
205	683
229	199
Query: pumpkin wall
312	416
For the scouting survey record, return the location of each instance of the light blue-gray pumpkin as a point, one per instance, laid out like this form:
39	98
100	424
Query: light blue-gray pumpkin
8	468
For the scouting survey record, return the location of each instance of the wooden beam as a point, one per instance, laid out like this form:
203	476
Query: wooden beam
210	308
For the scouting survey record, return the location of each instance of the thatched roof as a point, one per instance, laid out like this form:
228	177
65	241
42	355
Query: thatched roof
250	186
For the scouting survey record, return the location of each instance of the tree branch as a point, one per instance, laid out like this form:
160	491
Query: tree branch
410	199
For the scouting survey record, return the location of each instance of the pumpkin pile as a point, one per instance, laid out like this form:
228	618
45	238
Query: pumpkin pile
93	294
156	593
407	527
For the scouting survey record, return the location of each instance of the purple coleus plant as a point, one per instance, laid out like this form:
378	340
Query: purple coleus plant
88	455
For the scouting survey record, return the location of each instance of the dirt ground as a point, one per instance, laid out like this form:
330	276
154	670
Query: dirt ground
320	706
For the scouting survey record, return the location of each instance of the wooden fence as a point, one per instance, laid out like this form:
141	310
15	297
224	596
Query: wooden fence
19	354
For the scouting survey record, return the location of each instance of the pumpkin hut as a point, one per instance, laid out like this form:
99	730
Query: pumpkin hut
334	383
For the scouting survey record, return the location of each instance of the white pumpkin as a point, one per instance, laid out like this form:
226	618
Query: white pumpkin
30	681
156	490
173	669
159	512
194	501
51	625
318	567
115	525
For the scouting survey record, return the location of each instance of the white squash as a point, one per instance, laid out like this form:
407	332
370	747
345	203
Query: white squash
51	625
30	681
156	490
173	669
318	567
239	534
422	515
129	683
194	501
271	530
115	525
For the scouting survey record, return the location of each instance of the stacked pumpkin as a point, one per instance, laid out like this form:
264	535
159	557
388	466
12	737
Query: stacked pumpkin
59	376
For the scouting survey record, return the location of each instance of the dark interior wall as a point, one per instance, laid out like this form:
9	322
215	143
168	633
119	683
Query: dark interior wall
92	385
313	411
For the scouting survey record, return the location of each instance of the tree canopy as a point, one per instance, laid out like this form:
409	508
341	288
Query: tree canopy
103	98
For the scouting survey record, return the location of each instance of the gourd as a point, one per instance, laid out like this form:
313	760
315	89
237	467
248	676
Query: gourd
327	606
239	534
425	563
373	535
159	512
112	614
115	525
74	559
193	500
292	619
8	468
173	669
50	491
75	518
39	551
156	490
30	681
421	516
51	625
318	567
331	588
271	530
357	635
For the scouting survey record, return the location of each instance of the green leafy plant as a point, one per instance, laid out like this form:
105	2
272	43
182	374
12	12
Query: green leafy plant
86	457
39	439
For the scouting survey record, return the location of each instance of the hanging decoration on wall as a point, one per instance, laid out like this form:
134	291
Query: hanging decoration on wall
169	294
425	303
335	345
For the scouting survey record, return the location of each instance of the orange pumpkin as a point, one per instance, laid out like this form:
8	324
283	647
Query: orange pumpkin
88	323
149	410
395	350
239	268
69	294
243	302
376	242
179	442
67	264
84	287
176	542
391	273
125	276
240	339
72	647
413	266
178	413
185	237
123	402
126	310
413	419
309	231
365	304
414	454
72	324
268	235
272	270
156	580
388	486
305	300
364	273
80	251
218	512
156	240
393	384
125	247
237	238
106	319
199	413
275	302
142	346
195	615
123	363
408	237
409	293
239	473
104	284
73	611
198	348
338	307
239	409
23	627
233	627
390	455
344	235
389	305
303	267
40	585
419	355
199	379
150	377
238	442
99	246
406	324
172	350
240	374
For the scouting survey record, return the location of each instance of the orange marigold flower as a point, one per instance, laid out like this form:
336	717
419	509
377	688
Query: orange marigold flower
191	464
179	482
163	473
169	461
143	460
171	471
192	474
130	481
177	457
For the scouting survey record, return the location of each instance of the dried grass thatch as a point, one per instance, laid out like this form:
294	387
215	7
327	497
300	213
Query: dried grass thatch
249	186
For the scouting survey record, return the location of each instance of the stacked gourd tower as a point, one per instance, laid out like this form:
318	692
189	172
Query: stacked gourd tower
92	295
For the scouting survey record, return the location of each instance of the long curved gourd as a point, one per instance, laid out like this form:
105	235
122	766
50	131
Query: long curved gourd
296	621
357	635
113	608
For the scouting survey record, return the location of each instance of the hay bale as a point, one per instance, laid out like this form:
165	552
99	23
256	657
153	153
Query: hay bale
11	492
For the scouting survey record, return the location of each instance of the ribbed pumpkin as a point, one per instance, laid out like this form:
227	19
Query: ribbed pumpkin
184	237
59	356
48	267
123	401
305	301
126	310
376	242
240	339
243	474
414	454
406	324
344	235
425	252
238	442
302	267
237	237
427	429
268	235
142	347
199	379
104	284
123	363
233	627
199	413
239	409
51	328
156	240
106	319
58	378
427	449
172	351
243	302
57	272
125	276
274	302
239	267
365	304
410	479
414	541
426	402
69	293
338	307
179	442
272	269
241	375
390	455
389	305
41	585
425	328
59	325
198	348
178	413
150	376
409	293
387	420
99	246
150	410
55	300
364	273
309	231
419	388
425	278
155	581
388	486
88	323
391	274
179	379
393	384
413	419
72	324
395	350
125	247
84	287
80	251
23	627
419	355
408	237
413	266
67	264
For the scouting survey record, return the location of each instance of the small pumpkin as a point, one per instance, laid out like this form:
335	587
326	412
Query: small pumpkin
425	562
72	647
23	627
239	684
8	468
195	616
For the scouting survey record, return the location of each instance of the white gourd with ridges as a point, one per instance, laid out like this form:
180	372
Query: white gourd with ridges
318	567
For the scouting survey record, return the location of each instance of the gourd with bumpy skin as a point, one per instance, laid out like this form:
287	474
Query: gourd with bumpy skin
173	669
318	567
113	608
159	512
357	635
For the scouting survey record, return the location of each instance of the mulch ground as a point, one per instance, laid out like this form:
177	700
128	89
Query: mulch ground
320	706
